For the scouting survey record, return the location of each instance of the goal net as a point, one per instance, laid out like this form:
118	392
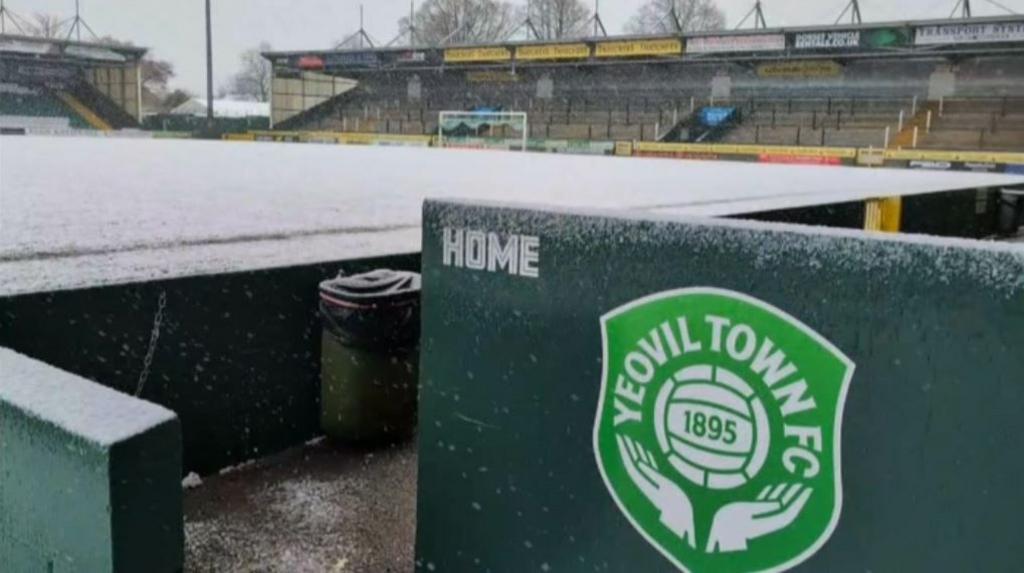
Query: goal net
483	129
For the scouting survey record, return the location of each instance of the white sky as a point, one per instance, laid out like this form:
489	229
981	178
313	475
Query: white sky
174	29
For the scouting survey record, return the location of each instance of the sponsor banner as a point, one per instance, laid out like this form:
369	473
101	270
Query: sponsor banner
639	48
837	152
739	43
488	77
411	57
682	155
1014	168
979	167
885	38
352	60
553	52
871	157
800	69
931	165
572	146
309	63
491	54
955	156
798	159
827	40
970	33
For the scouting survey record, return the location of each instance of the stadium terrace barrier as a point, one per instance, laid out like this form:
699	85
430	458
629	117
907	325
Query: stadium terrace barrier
90	479
236	357
839	399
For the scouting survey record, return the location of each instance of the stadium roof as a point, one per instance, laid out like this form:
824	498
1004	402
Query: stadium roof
187	208
18	46
909	24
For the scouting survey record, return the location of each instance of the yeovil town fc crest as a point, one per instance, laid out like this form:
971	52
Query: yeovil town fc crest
718	429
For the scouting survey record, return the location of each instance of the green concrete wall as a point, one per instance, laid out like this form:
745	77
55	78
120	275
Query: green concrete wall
72	497
512	370
238	356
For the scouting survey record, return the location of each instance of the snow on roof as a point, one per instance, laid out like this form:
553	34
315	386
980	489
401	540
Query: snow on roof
223	108
83	408
111	211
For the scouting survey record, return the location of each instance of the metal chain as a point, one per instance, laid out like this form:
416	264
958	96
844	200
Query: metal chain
154	336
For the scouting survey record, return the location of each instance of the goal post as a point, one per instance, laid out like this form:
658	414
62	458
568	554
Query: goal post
483	129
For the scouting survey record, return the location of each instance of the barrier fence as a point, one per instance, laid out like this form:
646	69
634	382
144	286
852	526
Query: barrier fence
979	161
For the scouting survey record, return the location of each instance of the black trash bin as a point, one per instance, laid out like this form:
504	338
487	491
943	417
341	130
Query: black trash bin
370	355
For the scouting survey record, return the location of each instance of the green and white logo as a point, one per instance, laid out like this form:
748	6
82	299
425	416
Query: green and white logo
718	429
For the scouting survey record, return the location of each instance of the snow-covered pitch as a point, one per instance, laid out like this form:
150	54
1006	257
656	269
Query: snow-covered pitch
77	212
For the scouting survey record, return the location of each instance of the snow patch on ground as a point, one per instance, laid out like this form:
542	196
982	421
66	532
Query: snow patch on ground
78	212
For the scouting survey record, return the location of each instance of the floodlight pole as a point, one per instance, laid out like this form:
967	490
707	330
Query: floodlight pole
964	6
412	23
758	13
854	9
7	14
77	24
209	68
599	29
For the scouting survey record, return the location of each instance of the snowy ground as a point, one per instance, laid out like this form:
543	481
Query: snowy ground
316	509
78	212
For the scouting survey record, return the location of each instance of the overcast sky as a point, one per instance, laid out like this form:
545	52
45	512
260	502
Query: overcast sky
173	29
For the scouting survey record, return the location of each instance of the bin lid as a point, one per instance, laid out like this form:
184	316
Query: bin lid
382	286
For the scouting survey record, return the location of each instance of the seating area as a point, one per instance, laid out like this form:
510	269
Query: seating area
995	124
35	109
866	104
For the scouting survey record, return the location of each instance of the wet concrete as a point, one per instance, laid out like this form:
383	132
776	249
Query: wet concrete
319	508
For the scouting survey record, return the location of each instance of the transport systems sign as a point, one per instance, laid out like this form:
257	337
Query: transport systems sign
970	33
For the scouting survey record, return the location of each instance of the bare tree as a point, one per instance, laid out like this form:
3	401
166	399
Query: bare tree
45	25
558	19
253	80
672	16
155	73
464	21
175	98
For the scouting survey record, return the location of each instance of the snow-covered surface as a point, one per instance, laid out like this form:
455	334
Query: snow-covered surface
82	408
223	108
87	212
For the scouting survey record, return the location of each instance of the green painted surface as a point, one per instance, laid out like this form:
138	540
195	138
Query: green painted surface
73	501
367	394
237	358
512	368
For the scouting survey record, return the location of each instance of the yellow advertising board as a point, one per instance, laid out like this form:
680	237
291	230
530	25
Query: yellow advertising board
777	150
800	69
972	156
491	77
490	54
626	49
553	52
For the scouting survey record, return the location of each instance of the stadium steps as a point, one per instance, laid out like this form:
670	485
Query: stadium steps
905	138
103	106
87	114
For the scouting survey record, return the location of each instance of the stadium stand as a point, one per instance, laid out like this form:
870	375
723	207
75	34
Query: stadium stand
36	109
840	86
52	86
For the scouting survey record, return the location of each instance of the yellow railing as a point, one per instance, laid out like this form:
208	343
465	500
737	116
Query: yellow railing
87	114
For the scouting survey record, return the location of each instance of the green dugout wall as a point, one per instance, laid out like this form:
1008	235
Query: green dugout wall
237	357
898	453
